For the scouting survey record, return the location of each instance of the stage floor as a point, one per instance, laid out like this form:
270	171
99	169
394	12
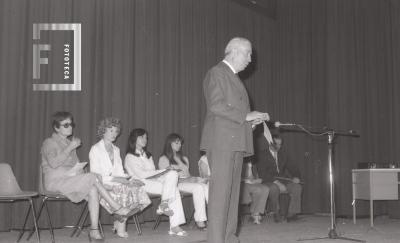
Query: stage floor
386	230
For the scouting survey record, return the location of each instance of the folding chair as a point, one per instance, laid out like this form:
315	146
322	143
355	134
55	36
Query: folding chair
11	192
55	197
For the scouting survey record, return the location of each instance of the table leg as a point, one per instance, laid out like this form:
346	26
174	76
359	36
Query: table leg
371	212
354	211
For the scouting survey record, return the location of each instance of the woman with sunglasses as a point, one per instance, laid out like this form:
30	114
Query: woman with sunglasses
105	160
173	157
59	159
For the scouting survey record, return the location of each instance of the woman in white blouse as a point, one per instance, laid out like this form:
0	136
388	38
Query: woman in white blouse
139	163
105	160
173	157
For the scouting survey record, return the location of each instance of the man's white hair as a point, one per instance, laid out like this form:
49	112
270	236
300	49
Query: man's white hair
234	44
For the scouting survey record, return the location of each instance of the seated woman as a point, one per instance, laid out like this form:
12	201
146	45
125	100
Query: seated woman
58	160
173	157
139	163
105	160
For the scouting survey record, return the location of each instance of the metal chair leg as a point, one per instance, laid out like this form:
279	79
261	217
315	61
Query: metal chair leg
21	233
79	224
191	217
50	224
158	220
35	219
38	217
137	224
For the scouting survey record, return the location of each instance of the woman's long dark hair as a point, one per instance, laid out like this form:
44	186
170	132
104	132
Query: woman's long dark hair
131	147
173	137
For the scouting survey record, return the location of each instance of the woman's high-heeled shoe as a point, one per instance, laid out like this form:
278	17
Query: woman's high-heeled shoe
201	226
163	208
256	219
177	231
97	238
119	229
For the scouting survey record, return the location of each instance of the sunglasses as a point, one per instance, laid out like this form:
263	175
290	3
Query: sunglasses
66	125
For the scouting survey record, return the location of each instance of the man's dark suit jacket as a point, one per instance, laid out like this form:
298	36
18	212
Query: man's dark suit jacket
266	166
225	127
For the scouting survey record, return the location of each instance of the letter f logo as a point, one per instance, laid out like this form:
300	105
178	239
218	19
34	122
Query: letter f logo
37	48
37	60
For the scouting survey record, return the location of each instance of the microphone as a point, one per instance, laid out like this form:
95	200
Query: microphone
278	124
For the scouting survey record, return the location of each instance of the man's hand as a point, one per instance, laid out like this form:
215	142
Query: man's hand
281	186
296	180
257	117
256	122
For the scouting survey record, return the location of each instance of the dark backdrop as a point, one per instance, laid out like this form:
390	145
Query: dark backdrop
321	63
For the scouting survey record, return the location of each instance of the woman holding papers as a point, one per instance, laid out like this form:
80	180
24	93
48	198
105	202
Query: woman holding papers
105	160
173	157
139	163
61	173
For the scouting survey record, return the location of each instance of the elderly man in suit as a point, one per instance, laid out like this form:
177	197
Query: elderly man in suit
281	176
227	138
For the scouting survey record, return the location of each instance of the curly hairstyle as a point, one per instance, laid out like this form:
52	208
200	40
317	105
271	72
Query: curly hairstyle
107	122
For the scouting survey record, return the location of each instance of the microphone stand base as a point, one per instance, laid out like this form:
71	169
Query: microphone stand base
331	235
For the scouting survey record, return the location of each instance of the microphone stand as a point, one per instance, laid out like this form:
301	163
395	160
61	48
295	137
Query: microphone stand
331	136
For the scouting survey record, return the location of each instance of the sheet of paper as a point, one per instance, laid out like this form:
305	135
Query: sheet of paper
267	133
157	175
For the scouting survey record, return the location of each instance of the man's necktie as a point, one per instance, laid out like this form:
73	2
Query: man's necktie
276	160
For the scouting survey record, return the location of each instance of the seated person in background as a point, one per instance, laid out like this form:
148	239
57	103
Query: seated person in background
172	157
105	160
280	175
256	194
58	158
139	164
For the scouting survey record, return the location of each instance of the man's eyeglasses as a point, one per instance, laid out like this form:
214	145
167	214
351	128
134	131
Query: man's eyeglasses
66	125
